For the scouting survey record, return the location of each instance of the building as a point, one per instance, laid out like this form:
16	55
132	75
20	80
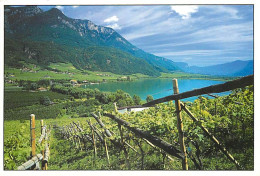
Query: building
137	108
73	82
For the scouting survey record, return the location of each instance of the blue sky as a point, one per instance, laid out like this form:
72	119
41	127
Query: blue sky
196	34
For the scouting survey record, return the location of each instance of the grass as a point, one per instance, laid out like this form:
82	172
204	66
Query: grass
17	98
66	71
20	104
63	71
17	140
66	156
182	75
11	87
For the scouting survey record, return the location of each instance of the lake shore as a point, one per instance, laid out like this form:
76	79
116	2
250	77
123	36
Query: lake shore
68	72
157	87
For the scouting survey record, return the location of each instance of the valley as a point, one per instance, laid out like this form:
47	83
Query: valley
76	75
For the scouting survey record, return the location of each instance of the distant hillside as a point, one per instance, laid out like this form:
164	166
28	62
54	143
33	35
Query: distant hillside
81	42
236	68
92	58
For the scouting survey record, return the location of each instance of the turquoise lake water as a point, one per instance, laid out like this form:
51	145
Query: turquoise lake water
158	88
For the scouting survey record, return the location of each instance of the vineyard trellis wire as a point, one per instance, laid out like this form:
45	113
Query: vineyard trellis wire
76	134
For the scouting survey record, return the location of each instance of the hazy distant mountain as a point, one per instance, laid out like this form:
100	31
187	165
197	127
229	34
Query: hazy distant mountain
236	68
39	37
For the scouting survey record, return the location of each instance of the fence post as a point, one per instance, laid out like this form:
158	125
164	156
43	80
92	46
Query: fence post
105	143
93	138
99	115
43	168
115	106
124	149
223	149
41	126
180	125
33	142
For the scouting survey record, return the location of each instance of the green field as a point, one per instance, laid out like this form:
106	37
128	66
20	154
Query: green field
231	123
16	99
66	71
63	71
182	75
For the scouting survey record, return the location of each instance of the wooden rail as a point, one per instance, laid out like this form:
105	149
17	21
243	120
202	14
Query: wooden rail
213	138
30	163
169	148
33	163
108	134
164	147
231	85
227	86
43	131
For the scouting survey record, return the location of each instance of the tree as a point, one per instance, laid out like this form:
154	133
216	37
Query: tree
34	86
21	83
119	95
121	103
137	100
45	100
149	98
44	83
103	97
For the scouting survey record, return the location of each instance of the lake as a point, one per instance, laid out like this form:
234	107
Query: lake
156	87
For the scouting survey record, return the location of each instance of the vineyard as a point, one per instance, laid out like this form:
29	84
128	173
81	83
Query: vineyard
207	134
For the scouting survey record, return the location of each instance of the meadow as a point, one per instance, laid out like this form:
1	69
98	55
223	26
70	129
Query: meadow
63	71
61	105
66	71
230	122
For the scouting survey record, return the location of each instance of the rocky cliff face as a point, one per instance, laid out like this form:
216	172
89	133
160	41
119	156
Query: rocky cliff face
22	11
36	25
20	20
12	15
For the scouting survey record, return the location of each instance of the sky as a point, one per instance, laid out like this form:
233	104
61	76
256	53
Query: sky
199	35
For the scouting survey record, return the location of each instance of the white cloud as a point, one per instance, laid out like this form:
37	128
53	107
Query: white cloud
114	26
190	53
60	7
136	35
225	33
142	16
112	22
184	32
220	9
187	58
226	36
185	11
111	19
162	27
75	6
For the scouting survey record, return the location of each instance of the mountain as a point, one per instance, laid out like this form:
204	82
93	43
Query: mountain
81	42
236	68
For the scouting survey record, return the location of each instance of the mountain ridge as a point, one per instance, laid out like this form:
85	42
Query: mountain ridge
54	26
235	68
72	40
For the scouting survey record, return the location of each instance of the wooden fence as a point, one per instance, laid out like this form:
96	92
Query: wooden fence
218	88
43	157
238	83
98	137
76	134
